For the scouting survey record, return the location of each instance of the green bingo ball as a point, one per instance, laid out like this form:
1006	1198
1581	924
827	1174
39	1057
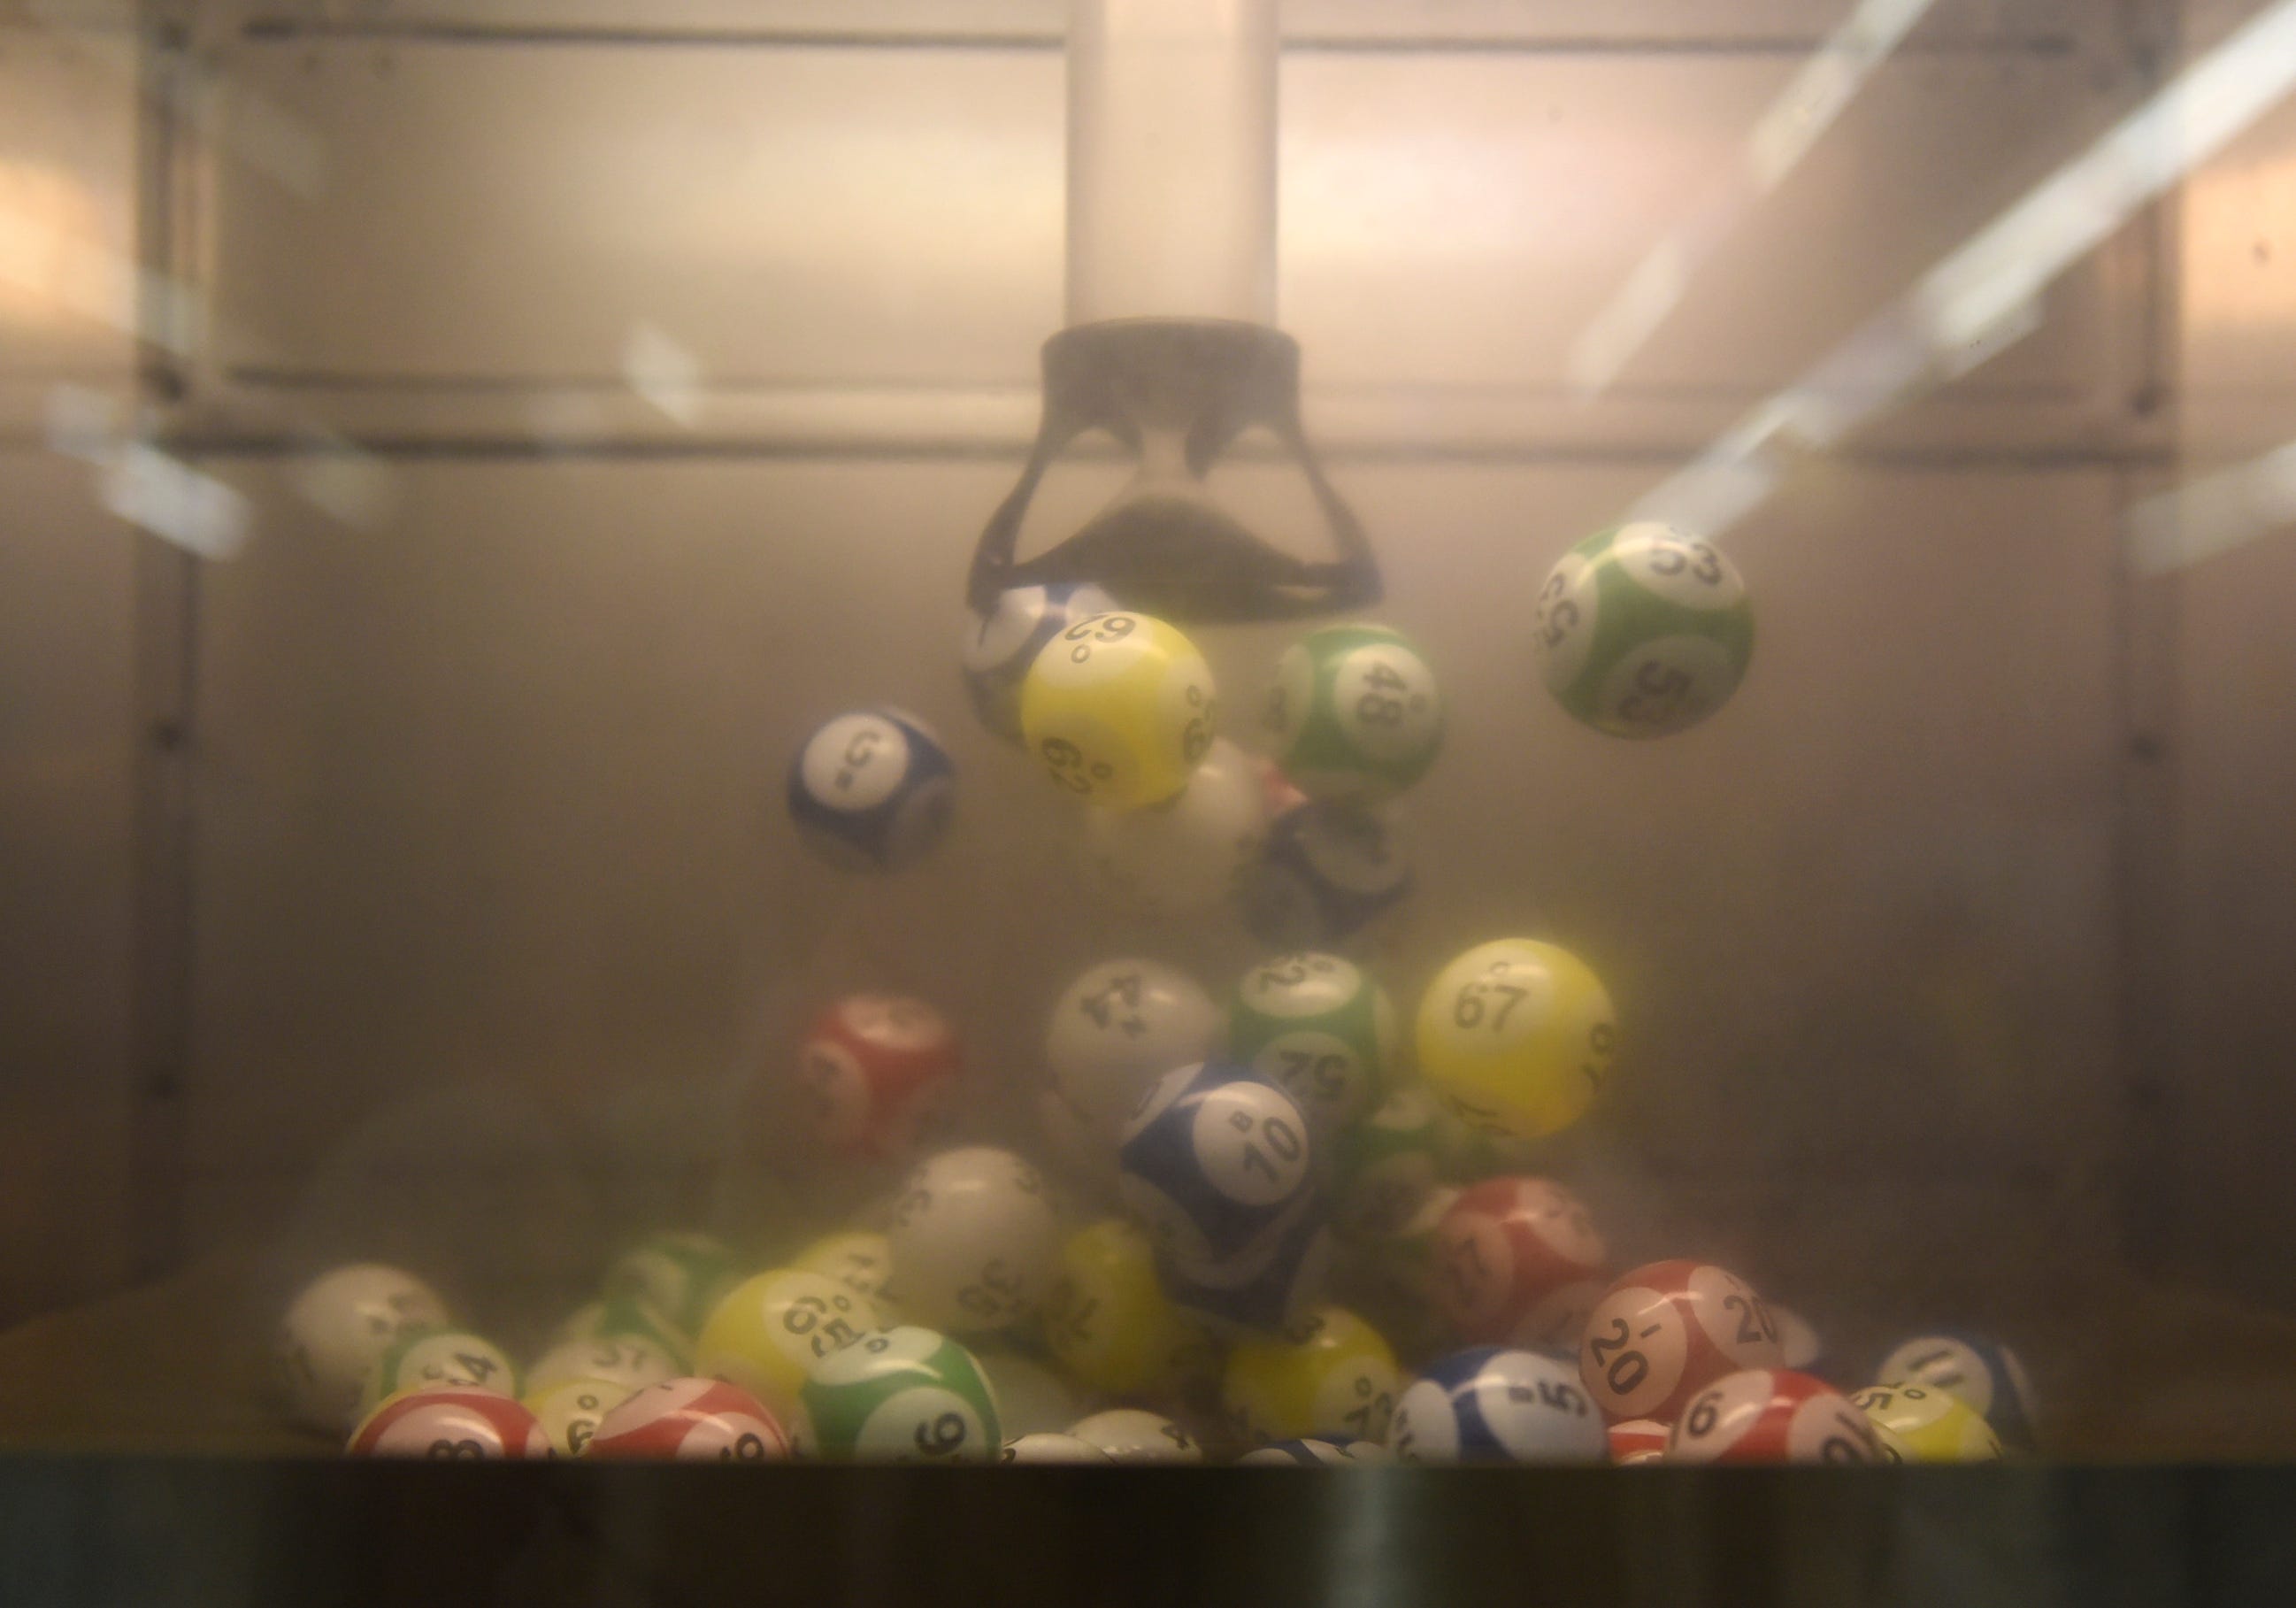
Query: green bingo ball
1391	1160
904	1395
1354	713
430	1358
1643	631
1319	1026
682	1274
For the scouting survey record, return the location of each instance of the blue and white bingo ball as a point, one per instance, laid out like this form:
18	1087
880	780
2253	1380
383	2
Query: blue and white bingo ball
1495	1404
1266	1287
1213	1158
1345	1452
1330	869
1000	645
1983	1373
872	789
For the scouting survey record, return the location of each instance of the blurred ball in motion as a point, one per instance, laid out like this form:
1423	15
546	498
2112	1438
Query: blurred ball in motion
904	1395
1666	1331
1329	1374
1110	1325
1637	1440
1321	1029
1521	1264
1341	1453
427	1357
338	1328
872	789
1493	1405
1214	1156
1983	1373
1050	1446
1354	713
1927	1423
692	1420
1772	1416
1643	631
570	1411
1120	707
1516	1036
875	1069
1389	1160
1134	1435
974	1241
680	1274
1188	854
769	1331
629	1316
450	1422
1330	870
1000	645
1116	1029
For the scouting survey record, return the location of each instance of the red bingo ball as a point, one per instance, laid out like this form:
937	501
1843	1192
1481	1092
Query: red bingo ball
450	1421
1637	1440
1773	1415
694	1419
1521	1264
876	1067
1665	1331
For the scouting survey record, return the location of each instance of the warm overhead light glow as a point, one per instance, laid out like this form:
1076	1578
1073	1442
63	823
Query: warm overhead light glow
2214	513
1782	137
1983	297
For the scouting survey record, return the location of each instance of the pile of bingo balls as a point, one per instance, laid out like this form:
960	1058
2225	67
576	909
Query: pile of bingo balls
1286	1224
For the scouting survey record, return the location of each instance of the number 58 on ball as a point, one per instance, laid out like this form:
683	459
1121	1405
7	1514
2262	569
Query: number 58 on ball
1516	1036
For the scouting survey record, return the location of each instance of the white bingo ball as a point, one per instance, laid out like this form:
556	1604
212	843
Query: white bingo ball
1187	854
616	1359
1118	1028
336	1332
1050	1447
1134	1435
974	1241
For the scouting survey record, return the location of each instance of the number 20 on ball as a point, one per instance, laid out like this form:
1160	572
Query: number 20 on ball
1516	1036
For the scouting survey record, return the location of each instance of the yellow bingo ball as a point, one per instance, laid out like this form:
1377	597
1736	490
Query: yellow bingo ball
1328	1375
568	1411
1110	1323
1516	1036
858	1258
1926	1423
1120	708
767	1334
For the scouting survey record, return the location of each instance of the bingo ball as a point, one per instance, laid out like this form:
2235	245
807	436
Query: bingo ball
1316	1454
570	1411
1214	1157
1983	1373
1049	1446
691	1420
450	1422
904	1395
682	1275
1120	708
1517	1037
875	1068
1031	1399
1927	1423
1637	1440
1000	645
1268	1285
769	1331
1321	1029
872	789
1521	1264
974	1241
629	1316
1390	1161
855	1258
1134	1435
628	1360
1329	1374
1354	713
1330	870
1492	1405
1188	854
426	1357
1118	1028
1772	1416
338	1329
1668	1330
1643	631
1110	1325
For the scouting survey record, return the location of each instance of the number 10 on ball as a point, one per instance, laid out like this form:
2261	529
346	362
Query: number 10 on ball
1516	1036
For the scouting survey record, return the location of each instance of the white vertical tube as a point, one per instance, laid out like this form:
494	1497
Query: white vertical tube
1172	159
